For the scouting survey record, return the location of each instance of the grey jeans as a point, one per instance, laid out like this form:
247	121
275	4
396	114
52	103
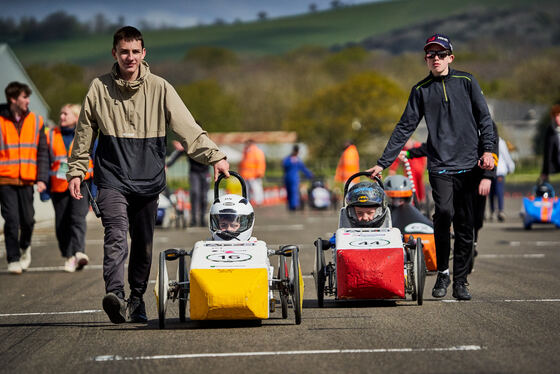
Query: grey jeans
122	214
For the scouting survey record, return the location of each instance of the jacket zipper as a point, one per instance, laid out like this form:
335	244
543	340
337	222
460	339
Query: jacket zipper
444	91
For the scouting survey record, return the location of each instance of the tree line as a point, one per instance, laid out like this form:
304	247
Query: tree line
55	26
323	95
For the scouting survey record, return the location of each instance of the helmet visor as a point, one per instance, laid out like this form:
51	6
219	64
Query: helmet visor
367	213
230	222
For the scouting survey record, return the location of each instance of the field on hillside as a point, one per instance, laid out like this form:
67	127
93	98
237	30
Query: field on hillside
275	36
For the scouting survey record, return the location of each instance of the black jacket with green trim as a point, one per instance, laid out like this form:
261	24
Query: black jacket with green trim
456	113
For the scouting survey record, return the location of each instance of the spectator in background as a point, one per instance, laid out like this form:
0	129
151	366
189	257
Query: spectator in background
417	166
24	161
505	167
551	154
252	168
199	178
70	214
292	166
348	164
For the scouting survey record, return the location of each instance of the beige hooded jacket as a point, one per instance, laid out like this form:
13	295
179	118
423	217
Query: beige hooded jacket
131	121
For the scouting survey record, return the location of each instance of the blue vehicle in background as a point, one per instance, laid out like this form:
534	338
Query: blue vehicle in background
542	207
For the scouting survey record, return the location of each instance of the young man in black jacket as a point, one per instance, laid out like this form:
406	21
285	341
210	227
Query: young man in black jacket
457	118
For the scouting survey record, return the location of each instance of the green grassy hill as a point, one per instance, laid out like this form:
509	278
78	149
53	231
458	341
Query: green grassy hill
275	36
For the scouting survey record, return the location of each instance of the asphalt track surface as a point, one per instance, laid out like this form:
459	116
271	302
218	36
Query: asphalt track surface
51	321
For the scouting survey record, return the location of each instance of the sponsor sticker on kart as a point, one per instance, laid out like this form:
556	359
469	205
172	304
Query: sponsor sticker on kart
370	243
229	255
368	238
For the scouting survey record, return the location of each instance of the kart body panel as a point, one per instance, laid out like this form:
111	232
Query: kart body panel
230	280
369	263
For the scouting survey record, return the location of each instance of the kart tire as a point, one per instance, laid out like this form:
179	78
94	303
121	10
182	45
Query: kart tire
282	275
419	272
295	285
183	289
319	272
162	292
414	293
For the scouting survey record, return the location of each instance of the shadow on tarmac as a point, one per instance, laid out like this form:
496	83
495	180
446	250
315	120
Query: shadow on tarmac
176	324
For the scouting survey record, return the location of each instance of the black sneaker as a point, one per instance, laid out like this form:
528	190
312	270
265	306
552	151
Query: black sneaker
460	290
137	310
440	288
115	307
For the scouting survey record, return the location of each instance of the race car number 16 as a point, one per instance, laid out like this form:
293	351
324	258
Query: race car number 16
229	257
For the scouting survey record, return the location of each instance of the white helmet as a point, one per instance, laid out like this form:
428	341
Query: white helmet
231	217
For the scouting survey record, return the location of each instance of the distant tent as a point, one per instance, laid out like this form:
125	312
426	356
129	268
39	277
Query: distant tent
12	70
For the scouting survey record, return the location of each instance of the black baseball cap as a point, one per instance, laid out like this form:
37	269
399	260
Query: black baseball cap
440	39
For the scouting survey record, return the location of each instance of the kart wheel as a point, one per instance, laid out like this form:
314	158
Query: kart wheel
163	285
412	274
183	290
419	272
283	275
295	285
319	273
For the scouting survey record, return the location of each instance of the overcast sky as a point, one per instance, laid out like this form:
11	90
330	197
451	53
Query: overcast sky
179	13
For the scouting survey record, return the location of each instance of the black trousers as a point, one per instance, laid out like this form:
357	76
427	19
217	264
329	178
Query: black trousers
122	214
454	196
17	210
198	193
70	221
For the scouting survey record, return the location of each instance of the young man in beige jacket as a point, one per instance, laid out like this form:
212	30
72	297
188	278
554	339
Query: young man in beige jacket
129	111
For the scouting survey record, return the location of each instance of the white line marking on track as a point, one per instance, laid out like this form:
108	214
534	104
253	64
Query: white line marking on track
525	255
51	313
57	268
546	244
279	353
505	301
537	243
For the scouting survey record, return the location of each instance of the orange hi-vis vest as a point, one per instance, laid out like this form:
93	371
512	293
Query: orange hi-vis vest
59	161
253	164
182	200
348	164
18	150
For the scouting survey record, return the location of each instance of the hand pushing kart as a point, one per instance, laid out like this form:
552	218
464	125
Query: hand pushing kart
230	277
368	257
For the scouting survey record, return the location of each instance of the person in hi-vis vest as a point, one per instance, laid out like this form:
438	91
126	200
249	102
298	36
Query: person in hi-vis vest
348	164
23	162
70	214
252	168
